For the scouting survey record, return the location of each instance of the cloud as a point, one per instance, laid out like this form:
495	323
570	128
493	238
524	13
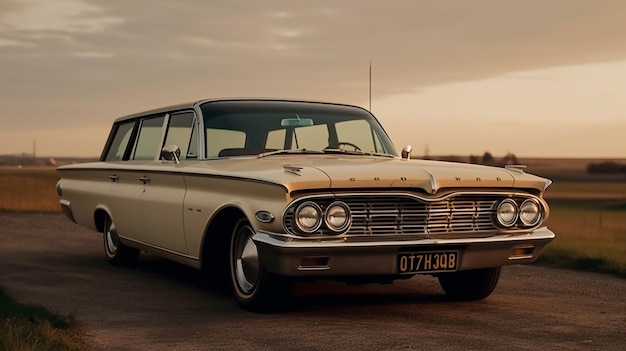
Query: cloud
11	42
59	15
93	54
163	51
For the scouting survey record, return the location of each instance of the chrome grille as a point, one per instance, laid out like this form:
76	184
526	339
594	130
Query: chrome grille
404	214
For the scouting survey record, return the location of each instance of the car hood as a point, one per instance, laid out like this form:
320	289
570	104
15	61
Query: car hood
345	172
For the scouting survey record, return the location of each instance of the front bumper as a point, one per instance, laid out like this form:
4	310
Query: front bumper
307	258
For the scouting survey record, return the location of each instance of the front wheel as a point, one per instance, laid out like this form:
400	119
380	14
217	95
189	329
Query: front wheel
470	285
116	252
254	288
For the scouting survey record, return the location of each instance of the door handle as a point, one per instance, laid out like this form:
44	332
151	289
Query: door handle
114	177
144	179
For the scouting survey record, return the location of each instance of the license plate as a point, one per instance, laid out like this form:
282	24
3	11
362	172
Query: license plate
428	262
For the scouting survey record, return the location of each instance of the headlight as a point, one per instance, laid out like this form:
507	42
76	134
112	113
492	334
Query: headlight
308	217
507	213
337	217
530	213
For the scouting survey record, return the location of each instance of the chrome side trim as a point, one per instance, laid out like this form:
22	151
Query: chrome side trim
66	207
179	257
141	168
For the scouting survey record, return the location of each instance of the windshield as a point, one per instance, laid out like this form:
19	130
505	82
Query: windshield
250	127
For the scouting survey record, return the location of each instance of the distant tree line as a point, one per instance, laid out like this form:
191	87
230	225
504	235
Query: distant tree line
606	167
488	159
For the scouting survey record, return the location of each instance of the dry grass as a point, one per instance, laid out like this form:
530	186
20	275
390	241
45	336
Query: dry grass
587	190
587	215
591	235
33	328
29	189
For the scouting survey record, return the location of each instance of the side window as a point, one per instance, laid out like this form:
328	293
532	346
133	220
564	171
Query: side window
219	140
181	132
360	133
149	138
119	144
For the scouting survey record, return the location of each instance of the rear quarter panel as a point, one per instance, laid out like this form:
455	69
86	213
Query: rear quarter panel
83	188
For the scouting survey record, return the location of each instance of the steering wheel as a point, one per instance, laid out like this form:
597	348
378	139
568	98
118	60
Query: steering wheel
356	148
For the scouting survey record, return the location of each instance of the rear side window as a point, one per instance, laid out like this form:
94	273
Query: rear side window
119	143
149	138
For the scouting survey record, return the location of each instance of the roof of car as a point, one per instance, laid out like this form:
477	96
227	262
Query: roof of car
194	104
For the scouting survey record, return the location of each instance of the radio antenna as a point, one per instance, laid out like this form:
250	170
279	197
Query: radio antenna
370	99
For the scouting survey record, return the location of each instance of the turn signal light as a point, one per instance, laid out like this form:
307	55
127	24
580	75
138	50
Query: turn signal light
522	252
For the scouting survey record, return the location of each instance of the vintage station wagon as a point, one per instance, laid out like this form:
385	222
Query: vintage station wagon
261	193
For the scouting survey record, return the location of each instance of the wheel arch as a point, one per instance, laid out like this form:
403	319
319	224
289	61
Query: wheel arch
98	218
216	237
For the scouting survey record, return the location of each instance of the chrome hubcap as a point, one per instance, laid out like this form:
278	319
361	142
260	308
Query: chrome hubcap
246	260
112	241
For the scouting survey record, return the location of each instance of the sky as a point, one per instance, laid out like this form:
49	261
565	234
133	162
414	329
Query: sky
532	77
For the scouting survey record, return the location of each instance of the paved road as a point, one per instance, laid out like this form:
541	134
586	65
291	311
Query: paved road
159	305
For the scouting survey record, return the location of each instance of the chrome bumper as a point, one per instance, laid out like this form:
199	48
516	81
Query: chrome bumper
290	257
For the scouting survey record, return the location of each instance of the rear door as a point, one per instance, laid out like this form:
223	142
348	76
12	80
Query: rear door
130	156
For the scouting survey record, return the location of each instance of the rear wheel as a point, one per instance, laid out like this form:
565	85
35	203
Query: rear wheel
470	285
116	252
255	288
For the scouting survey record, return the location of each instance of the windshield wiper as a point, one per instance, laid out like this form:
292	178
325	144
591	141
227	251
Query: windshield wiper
325	151
355	152
289	152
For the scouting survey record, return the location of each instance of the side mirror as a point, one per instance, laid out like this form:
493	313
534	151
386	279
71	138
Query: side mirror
171	153
406	152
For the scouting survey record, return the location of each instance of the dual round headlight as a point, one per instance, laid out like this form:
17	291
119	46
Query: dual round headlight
508	213
309	217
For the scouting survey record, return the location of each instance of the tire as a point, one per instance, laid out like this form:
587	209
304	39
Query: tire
116	252
470	285
255	288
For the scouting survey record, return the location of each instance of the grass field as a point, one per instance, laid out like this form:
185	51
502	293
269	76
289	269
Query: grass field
588	215
591	235
29	189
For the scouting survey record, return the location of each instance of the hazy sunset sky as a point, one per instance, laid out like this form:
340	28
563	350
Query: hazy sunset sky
532	77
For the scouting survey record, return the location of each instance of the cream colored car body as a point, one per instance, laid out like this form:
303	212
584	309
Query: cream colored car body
181	203
167	207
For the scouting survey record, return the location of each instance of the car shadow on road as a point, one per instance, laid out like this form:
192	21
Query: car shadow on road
305	295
